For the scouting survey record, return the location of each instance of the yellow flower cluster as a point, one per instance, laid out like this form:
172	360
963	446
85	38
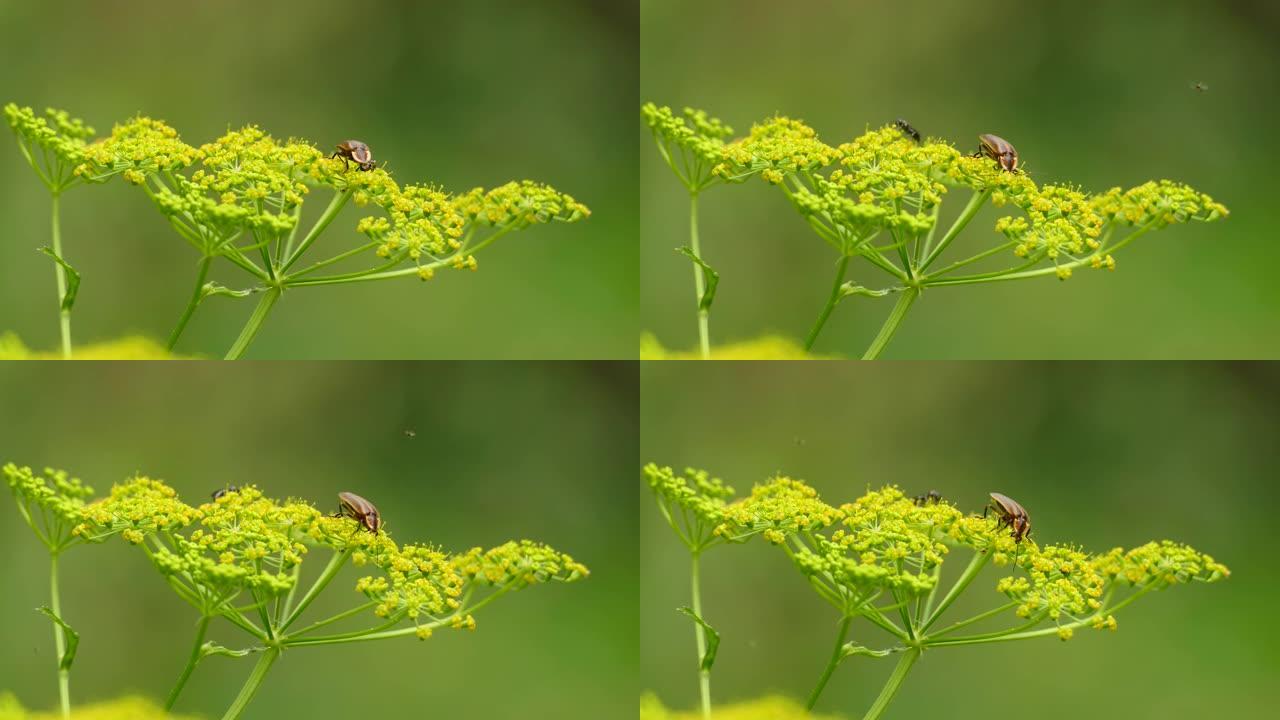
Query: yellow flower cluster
53	491
885	540
777	509
694	132
135	150
246	180
694	490
775	148
885	181
56	131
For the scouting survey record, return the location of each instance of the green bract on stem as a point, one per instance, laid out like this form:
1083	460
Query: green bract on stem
880	557
240	558
878	198
240	198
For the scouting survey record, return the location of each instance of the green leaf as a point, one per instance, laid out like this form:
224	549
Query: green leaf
73	278
849	288
213	648
213	288
708	274
713	638
73	638
851	649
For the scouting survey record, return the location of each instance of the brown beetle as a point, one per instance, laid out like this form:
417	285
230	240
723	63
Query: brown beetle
998	149
1012	515
933	496
907	130
361	510
354	151
223	491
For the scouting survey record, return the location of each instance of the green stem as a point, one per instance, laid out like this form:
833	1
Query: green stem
976	618
330	620
831	303
196	649
336	258
704	333
891	686
64	315
891	323
365	635
1002	276
836	656
331	212
704	676
330	570
254	324
970	572
251	685
975	203
59	639
196	296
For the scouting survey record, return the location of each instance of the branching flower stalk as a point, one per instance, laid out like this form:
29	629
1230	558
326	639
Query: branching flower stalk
240	198
692	504
239	558
54	146
51	503
880	559
692	145
878	198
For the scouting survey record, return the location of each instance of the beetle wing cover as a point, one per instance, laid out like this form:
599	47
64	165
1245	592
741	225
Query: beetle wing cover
1008	504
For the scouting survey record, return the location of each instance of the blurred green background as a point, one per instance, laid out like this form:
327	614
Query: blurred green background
462	94
1093	93
502	451
1101	454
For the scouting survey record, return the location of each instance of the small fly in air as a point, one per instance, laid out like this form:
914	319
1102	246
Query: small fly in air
411	433
1199	86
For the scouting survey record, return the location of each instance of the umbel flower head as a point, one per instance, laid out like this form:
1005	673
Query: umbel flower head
693	130
693	490
244	541
53	491
247	182
885	181
135	150
886	542
53	144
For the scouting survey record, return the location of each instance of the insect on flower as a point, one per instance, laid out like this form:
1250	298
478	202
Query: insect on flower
1012	515
354	151
359	509
933	496
907	130
223	491
998	149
